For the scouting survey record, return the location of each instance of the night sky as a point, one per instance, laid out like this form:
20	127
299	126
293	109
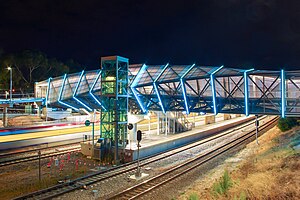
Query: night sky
264	34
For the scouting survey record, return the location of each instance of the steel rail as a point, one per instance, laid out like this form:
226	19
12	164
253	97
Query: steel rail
35	157
181	169
60	189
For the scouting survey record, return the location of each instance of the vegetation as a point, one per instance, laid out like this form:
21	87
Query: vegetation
285	124
194	196
30	66
222	187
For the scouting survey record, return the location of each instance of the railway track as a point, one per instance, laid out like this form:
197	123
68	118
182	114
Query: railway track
162	179
36	157
60	189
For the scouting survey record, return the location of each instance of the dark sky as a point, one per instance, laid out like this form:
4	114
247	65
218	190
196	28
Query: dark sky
236	33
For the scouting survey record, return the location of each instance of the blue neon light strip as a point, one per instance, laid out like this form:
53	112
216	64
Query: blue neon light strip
184	96
138	99
60	94
138	75
133	89
62	87
159	98
283	94
91	90
213	89
75	91
184	89
156	89
246	91
48	90
98	76
76	88
185	73
162	71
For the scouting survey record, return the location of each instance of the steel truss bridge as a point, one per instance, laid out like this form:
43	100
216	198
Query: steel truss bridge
187	88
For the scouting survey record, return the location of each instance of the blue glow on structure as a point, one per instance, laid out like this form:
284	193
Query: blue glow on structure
184	97
161	72
283	94
75	91
138	75
48	90
159	98
184	89
62	87
213	89
185	73
60	94
138	99
246	91
98	76
133	89
156	89
91	90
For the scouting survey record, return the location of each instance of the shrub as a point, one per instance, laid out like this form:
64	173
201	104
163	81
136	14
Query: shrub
194	196
222	187
285	124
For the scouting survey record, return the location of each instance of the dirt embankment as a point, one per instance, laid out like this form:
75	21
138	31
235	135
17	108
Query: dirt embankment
270	170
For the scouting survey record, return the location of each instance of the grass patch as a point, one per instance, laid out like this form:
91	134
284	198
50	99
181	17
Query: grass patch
285	124
194	196
222	186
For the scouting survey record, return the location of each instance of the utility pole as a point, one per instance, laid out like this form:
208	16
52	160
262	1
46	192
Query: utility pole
10	69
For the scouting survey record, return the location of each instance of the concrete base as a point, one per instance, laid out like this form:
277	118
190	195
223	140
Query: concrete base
227	116
209	119
86	148
134	177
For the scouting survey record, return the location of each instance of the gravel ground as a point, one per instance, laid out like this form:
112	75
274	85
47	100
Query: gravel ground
101	190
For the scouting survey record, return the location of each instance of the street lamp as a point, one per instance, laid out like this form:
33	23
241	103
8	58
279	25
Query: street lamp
10	95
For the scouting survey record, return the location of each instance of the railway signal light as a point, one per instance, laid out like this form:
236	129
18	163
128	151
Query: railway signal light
130	126
139	135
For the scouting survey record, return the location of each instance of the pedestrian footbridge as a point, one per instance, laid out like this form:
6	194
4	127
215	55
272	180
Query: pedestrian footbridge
187	88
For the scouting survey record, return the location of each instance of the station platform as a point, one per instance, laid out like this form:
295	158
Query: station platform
153	143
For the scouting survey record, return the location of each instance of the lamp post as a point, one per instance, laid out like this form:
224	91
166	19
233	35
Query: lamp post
10	95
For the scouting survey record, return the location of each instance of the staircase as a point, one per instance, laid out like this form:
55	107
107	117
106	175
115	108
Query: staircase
181	121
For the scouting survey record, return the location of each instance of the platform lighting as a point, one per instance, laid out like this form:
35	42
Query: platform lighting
214	89
10	70
246	91
60	94
156	89
133	89
91	90
75	91
283	93
184	89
